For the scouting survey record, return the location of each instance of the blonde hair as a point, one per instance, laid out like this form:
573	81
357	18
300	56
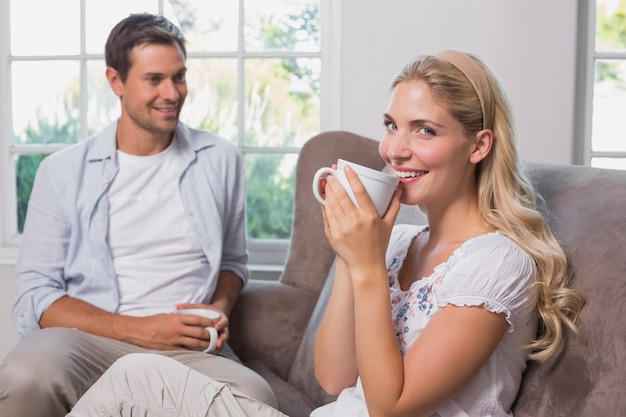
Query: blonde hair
507	201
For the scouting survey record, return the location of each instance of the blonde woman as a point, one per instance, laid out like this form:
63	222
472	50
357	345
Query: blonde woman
439	320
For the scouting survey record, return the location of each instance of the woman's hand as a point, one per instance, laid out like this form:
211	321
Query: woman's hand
357	234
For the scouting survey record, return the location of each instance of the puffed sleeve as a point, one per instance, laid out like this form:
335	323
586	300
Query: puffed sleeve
492	271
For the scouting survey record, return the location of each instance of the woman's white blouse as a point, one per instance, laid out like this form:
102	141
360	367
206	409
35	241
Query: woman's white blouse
489	270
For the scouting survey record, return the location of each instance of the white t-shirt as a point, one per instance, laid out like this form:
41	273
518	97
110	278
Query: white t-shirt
156	254
489	270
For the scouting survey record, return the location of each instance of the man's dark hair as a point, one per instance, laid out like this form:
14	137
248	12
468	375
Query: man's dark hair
138	29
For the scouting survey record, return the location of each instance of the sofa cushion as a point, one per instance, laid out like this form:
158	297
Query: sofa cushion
302	375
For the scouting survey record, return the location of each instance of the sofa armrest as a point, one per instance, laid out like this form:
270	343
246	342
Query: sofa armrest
268	323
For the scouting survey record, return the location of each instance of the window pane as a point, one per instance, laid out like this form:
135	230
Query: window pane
282	101
45	101
25	169
610	25
609	104
270	185
282	25
103	106
101	16
207	25
37	28
611	163
212	96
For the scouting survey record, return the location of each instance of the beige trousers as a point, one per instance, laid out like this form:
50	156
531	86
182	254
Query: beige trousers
46	373
148	385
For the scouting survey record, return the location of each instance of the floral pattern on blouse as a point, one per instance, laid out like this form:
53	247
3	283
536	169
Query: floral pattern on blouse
415	305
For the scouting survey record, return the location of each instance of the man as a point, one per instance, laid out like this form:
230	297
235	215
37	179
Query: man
122	230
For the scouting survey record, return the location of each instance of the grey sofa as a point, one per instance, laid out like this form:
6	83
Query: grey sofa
274	323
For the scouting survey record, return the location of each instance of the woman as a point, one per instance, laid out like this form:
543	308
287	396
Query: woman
432	320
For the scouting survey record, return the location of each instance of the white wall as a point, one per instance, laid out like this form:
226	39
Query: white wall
529	44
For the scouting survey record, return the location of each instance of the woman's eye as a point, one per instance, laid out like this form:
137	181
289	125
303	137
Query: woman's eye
425	131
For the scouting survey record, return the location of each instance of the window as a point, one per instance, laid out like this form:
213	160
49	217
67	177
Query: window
605	131
256	76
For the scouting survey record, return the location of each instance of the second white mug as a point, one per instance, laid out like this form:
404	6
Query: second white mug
210	314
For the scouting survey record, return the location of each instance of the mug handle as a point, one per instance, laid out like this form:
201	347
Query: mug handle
213	340
319	175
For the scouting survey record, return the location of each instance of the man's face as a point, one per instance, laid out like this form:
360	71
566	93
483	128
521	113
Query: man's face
155	89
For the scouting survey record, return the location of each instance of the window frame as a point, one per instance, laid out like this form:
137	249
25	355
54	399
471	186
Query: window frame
266	256
586	78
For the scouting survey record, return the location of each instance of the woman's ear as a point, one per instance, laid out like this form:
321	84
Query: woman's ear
482	145
113	77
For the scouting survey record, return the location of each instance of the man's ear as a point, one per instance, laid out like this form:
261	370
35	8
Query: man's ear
482	145
115	81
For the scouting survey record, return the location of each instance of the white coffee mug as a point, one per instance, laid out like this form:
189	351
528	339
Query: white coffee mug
210	314
379	185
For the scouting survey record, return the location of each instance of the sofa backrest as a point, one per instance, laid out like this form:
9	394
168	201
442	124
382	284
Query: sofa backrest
310	256
586	210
